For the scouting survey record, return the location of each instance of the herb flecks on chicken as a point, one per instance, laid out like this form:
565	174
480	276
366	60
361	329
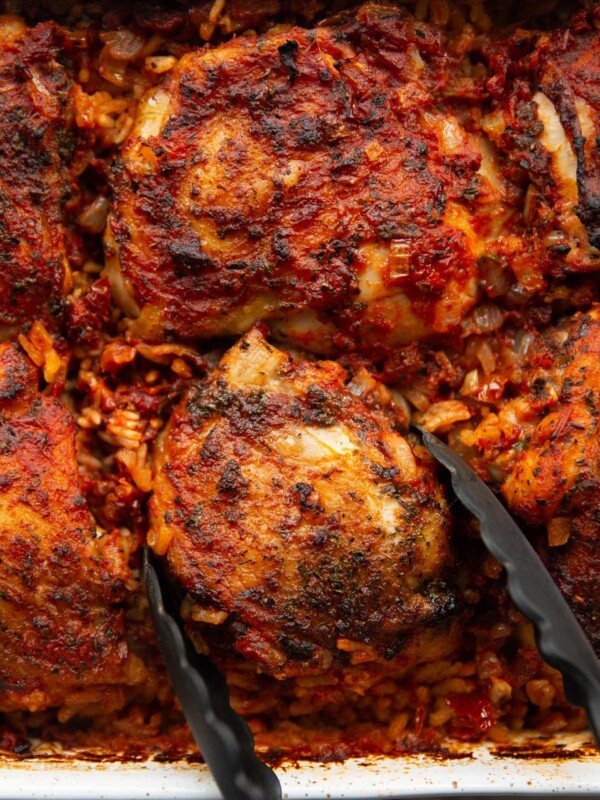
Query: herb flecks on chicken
312	178
301	521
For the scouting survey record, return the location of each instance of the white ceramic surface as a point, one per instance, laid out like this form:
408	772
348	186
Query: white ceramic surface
483	773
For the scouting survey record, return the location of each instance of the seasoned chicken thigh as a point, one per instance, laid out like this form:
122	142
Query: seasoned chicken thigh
547	122
298	520
556	481
34	145
313	178
546	443
62	580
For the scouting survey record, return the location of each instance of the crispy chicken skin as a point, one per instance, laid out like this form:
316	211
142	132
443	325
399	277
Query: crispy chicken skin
547	123
61	626
312	178
299	520
547	443
34	272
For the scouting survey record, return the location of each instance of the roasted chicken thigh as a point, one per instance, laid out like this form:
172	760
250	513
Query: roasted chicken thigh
299	520
63	580
545	124
546	445
34	146
313	178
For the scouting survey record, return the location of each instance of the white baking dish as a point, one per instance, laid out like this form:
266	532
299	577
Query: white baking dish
568	766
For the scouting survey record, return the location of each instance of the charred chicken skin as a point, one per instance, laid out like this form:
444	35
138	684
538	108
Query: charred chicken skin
300	521
61	622
34	143
313	178
551	466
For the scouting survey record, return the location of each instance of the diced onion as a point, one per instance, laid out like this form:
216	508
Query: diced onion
112	70
488	317
494	124
399	259
400	402
417	398
496	278
486	357
123	45
470	383
559	531
93	218
523	341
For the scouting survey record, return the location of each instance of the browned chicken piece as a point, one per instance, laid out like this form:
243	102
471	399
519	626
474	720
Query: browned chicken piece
312	178
34	143
546	444
62	580
547	123
299	521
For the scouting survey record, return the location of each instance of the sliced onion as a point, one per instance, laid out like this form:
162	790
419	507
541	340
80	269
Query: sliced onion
441	416
166	353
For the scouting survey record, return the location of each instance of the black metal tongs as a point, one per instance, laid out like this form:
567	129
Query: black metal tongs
560	638
224	739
